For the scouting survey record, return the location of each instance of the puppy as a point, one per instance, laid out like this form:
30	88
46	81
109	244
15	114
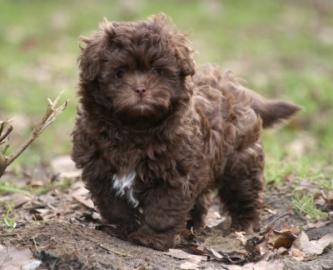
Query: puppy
155	135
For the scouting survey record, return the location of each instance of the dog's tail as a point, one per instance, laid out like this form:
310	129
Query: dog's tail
272	111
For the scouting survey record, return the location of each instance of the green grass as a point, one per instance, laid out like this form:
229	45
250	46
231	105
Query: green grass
8	219
61	185
12	188
305	205
282	48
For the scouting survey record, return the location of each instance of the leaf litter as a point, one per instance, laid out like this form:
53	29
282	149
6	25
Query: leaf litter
59	227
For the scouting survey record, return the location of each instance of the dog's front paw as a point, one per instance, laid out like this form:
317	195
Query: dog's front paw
147	237
245	225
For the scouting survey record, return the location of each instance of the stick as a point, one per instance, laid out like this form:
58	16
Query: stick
52	111
6	133
270	225
50	115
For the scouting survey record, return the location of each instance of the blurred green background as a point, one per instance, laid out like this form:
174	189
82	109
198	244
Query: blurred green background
281	48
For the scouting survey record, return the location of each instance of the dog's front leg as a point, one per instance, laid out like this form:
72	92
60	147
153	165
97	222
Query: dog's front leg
165	213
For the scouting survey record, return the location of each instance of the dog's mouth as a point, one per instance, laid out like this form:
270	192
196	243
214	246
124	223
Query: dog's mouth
142	114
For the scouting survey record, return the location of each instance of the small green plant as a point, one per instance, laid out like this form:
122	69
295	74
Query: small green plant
8	219
11	188
305	204
61	185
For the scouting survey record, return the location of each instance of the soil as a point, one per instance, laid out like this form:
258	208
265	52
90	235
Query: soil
64	232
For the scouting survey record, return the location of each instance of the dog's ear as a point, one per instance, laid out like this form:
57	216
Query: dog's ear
184	55
183	50
92	49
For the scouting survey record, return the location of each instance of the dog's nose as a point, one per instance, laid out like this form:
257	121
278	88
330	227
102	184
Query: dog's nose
140	90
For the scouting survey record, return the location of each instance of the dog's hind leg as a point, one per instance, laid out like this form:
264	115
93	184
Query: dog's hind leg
242	185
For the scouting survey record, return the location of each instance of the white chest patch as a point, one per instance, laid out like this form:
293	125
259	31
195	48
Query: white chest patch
124	187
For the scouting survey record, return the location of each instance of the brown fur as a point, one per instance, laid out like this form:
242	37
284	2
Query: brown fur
146	108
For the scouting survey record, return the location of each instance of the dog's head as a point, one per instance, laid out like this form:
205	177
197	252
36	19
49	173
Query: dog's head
137	71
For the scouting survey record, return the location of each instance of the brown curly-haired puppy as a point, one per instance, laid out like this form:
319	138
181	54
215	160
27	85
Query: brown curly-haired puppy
154	135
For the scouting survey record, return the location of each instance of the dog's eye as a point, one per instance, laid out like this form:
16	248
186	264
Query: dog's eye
119	73
158	71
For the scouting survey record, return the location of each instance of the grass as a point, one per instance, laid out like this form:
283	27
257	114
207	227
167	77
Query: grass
8	219
12	188
305	205
282	48
61	185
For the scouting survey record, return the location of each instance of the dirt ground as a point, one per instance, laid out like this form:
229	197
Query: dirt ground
59	229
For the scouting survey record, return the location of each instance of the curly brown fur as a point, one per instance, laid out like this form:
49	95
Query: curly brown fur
154	135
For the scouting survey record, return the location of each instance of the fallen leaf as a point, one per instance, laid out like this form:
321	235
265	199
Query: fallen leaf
65	167
282	251
182	255
192	261
36	183
241	237
16	200
15	259
215	253
283	238
330	196
262	265
314	247
213	218
329	200
330	214
81	194
316	225
189	266
270	211
297	254
320	199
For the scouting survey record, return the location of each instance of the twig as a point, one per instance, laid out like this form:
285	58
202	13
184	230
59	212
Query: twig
6	133
2	126
270	225
52	111
50	115
35	244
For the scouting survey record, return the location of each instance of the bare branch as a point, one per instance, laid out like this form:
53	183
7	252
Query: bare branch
5	130
52	111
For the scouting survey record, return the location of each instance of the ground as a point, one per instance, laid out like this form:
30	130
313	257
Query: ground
280	48
60	229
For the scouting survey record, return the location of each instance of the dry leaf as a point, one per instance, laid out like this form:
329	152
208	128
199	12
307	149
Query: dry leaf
282	251
316	225
16	200
65	167
270	211
182	255
329	199
319	198
215	253
189	266
262	265
330	196
241	237
283	238
297	254
192	261
36	183
15	259
81	194
213	218
315	247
